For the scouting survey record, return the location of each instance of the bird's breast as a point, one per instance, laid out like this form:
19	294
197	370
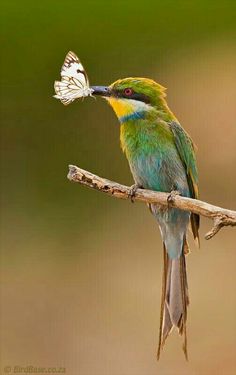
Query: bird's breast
153	158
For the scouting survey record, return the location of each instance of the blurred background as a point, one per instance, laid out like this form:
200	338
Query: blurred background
81	272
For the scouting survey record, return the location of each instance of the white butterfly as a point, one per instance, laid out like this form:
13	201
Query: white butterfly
74	82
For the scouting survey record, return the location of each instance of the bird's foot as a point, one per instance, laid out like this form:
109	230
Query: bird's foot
171	196
132	191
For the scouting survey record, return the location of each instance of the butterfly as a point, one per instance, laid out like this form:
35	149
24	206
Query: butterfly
74	82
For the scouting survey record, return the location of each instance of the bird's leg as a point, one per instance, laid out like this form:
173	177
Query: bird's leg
133	190
170	200
172	195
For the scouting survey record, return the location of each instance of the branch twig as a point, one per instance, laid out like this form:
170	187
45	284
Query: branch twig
221	217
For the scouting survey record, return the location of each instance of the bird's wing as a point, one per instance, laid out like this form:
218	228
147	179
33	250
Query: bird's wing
186	150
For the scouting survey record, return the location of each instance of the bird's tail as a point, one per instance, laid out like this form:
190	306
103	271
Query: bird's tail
174	300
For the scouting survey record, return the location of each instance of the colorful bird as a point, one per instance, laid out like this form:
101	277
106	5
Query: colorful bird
161	157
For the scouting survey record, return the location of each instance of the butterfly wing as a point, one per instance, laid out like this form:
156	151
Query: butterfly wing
72	67
74	80
68	89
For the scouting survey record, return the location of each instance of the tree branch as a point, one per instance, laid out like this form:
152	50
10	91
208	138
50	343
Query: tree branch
221	217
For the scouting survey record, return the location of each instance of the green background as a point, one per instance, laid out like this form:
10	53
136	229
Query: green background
81	272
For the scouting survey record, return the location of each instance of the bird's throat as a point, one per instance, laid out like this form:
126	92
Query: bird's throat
128	109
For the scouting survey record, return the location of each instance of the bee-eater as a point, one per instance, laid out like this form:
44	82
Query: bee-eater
161	157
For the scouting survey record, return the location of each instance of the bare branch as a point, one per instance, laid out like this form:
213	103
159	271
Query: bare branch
221	217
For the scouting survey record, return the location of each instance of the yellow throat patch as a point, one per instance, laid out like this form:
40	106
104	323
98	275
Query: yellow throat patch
122	107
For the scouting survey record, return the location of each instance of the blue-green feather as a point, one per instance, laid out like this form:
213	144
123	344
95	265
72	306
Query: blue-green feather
156	164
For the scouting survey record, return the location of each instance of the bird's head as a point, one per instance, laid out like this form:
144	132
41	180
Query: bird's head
133	98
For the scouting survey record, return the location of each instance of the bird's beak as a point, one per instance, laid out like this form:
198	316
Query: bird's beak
101	90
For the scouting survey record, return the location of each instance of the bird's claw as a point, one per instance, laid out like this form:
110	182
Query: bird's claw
172	195
132	192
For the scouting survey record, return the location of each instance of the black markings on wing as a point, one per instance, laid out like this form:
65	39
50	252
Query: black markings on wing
79	71
74	80
70	59
72	66
83	72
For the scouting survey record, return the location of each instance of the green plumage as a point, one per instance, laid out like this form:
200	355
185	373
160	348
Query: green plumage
161	156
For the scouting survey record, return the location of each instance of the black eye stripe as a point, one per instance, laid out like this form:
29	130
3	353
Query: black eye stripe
135	96
140	97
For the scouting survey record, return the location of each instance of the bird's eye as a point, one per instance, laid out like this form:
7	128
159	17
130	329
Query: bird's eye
128	92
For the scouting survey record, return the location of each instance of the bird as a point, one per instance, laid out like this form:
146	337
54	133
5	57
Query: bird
161	157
